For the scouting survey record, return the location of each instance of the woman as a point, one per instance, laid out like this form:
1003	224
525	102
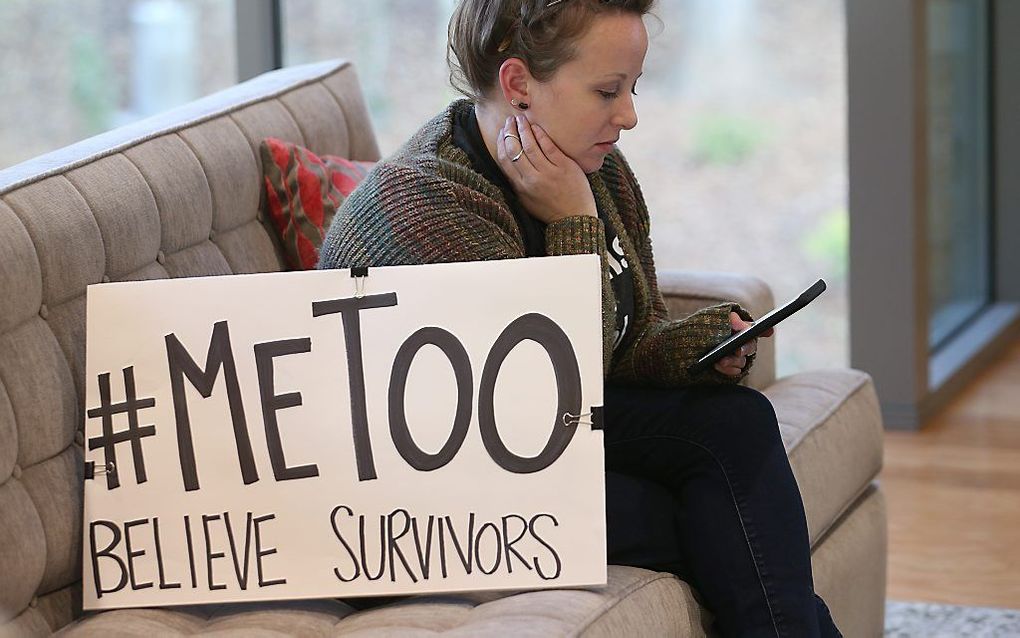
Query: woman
698	481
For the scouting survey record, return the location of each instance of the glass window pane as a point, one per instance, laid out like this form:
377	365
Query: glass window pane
741	147
397	46
958	195
741	151
75	68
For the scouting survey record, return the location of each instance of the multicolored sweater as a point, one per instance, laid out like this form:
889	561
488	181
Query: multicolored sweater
426	204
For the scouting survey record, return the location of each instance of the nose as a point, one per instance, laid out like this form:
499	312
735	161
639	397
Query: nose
626	116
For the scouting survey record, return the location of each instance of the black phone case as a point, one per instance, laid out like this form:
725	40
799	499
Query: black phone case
768	321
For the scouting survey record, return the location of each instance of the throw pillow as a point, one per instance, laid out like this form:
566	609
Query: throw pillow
303	193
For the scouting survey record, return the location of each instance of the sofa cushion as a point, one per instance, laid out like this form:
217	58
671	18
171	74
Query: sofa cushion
303	193
832	428
635	601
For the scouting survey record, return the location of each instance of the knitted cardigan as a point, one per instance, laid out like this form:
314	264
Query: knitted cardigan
426	204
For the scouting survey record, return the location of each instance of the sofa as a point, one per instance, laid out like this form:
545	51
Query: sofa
179	195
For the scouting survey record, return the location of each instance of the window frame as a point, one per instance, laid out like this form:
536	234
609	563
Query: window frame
888	162
259	25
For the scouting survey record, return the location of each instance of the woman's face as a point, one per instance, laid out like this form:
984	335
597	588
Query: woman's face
590	99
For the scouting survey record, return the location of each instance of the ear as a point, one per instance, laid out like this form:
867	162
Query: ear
514	80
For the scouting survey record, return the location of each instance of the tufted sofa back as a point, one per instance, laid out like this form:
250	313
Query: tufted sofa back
176	195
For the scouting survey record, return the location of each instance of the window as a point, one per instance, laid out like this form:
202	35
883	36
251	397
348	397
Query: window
75	68
959	204
397	46
740	151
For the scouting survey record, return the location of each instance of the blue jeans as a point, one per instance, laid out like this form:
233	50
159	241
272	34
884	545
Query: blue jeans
698	483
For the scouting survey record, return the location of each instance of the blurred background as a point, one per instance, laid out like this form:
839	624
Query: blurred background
741	148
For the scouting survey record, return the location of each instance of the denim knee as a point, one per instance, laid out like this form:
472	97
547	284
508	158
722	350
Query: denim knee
746	422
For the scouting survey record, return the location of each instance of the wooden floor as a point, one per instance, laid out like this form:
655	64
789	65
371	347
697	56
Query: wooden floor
953	493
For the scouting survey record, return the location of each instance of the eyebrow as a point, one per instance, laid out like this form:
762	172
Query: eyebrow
621	75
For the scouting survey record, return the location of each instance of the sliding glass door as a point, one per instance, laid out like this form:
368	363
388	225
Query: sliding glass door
959	202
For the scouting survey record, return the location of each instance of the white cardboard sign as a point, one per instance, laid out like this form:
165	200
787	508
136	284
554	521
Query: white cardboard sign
304	435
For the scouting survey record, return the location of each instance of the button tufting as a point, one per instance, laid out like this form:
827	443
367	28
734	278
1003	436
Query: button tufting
34	602
106	279
79	438
44	312
160	257
17	472
212	235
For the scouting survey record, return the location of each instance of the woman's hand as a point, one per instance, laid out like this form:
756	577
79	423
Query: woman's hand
549	184
734	364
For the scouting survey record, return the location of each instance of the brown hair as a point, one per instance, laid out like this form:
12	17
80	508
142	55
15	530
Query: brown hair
485	33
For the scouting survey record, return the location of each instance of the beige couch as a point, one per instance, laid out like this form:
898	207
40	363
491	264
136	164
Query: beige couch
178	196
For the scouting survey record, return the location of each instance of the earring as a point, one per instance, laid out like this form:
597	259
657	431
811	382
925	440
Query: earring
521	105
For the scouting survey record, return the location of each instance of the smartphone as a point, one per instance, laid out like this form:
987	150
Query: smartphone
729	346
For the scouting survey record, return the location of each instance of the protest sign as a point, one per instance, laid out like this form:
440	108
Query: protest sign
319	434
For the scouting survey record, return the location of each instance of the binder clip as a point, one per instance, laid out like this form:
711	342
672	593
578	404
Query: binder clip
592	418
92	469
360	274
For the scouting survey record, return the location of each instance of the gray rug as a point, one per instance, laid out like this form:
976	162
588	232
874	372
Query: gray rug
931	620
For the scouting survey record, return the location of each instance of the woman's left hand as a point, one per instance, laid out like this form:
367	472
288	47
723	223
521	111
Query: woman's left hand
733	365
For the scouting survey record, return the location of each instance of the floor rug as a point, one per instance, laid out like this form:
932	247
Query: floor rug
932	620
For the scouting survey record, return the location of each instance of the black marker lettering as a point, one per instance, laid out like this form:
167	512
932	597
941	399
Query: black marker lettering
191	552
271	402
181	364
242	576
478	549
131	555
259	552
209	554
350	312
424	556
399	431
508	545
393	548
336	531
550	336
109	439
107	553
159	557
382	547
467	561
556	557
442	548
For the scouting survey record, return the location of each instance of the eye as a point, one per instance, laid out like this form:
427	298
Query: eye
608	95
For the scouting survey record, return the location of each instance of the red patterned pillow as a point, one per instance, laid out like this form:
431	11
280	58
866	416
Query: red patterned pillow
303	193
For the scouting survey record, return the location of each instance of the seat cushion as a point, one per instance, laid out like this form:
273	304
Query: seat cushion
635	602
832	428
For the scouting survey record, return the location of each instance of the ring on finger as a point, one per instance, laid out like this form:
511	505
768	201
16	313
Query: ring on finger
507	136
518	156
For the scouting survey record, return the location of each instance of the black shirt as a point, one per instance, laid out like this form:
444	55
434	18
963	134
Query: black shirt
468	137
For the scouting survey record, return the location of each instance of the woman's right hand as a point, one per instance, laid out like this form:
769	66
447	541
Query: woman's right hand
733	365
549	184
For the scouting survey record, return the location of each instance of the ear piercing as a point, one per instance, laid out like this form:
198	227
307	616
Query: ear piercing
521	105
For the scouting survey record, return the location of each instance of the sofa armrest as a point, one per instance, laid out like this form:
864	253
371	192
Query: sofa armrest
686	291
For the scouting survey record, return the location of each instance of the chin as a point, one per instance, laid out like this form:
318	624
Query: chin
593	166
